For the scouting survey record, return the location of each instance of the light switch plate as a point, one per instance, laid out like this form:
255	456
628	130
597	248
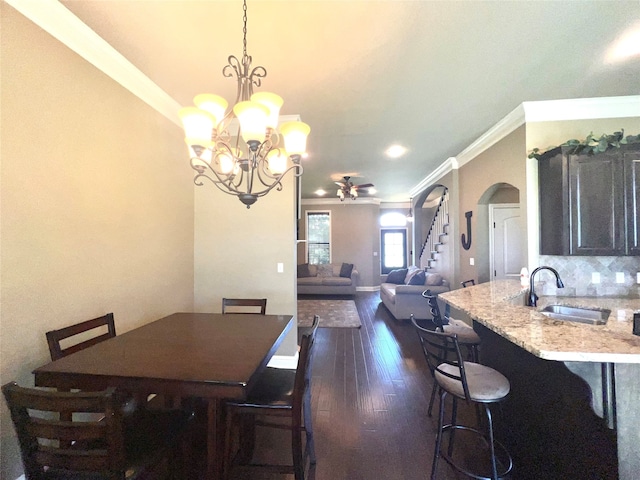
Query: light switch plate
619	277
472	261
595	277
638	277
280	267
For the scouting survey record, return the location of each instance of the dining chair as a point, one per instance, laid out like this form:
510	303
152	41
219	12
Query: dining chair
474	383
55	337
244	305
114	447
277	393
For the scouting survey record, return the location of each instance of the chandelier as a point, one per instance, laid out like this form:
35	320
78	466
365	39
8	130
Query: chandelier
241	151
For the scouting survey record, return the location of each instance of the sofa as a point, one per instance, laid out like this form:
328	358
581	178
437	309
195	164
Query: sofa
401	292
327	279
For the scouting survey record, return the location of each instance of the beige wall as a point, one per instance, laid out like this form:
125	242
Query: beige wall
355	236
504	162
97	205
237	251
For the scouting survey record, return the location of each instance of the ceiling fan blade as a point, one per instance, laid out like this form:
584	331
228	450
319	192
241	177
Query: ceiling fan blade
365	185
340	184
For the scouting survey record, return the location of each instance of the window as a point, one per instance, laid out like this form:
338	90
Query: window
318	237
394	249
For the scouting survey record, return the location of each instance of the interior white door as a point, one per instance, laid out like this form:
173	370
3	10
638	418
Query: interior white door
505	241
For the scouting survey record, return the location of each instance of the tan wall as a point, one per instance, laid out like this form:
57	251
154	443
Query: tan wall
355	236
504	162
97	205
237	251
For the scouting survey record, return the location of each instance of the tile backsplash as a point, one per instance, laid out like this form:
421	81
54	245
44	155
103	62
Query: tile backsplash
576	273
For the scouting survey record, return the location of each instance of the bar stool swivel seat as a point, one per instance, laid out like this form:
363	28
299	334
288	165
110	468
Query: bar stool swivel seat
474	383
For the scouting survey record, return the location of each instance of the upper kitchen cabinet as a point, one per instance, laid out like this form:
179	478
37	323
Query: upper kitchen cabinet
590	204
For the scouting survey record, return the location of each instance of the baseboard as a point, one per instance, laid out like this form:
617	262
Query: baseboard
368	289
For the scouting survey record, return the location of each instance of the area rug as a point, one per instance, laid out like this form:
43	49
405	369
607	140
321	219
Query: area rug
333	313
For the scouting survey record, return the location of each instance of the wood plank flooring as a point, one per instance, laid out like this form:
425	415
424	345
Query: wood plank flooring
370	391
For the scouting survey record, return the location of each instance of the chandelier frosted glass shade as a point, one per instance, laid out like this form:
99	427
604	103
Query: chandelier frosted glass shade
241	150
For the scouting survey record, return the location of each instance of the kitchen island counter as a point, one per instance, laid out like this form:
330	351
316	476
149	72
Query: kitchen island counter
499	306
573	407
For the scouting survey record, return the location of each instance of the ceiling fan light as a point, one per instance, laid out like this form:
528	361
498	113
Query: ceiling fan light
273	102
295	137
214	104
198	126
253	120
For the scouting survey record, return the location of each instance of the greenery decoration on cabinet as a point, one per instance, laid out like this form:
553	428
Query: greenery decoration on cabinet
591	145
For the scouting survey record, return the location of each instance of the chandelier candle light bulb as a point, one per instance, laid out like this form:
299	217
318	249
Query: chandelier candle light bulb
207	126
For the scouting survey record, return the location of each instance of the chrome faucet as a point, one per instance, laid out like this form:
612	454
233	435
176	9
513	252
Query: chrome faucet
532	298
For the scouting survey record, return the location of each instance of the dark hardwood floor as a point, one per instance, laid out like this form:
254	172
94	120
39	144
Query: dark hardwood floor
370	394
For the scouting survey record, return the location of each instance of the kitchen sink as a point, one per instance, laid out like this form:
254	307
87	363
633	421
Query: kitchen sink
593	316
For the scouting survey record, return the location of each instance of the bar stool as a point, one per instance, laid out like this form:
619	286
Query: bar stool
473	383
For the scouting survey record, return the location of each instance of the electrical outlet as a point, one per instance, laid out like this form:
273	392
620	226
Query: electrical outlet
619	277
280	267
638	277
472	261
595	277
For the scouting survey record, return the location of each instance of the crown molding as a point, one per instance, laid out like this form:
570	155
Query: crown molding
582	108
337	201
541	111
445	167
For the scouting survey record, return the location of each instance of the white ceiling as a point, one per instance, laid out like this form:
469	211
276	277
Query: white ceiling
432	76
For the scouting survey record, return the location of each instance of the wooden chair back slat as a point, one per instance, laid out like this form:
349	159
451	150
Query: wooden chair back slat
54	337
91	445
248	305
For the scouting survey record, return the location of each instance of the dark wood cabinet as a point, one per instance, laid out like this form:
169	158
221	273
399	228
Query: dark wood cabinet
590	204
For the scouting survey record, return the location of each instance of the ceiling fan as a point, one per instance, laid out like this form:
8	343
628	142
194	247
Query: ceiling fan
349	190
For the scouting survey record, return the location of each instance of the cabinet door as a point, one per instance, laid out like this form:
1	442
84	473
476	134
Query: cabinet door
632	200
596	196
554	206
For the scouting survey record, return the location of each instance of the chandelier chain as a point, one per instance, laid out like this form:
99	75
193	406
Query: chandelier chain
244	28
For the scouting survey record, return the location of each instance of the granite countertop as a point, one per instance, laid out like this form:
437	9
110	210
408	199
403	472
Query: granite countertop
499	305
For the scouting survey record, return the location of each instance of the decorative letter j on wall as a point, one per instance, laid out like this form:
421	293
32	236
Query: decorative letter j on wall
466	241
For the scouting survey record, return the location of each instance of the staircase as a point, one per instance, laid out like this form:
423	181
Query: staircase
437	233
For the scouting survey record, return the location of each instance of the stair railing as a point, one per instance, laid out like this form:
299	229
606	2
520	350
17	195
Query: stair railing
437	228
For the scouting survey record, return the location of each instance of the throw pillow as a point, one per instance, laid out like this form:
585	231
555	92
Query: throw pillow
433	279
410	273
303	270
346	269
418	278
397	276
325	270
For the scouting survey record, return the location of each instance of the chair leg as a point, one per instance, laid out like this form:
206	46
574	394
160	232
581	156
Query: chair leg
308	427
436	453
433	397
454	419
494	466
296	450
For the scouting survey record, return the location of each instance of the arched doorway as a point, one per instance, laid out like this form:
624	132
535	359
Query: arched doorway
502	250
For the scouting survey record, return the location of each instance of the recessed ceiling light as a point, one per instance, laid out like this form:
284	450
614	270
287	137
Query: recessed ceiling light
395	151
320	192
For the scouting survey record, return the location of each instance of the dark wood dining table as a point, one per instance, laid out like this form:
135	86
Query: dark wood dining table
207	355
